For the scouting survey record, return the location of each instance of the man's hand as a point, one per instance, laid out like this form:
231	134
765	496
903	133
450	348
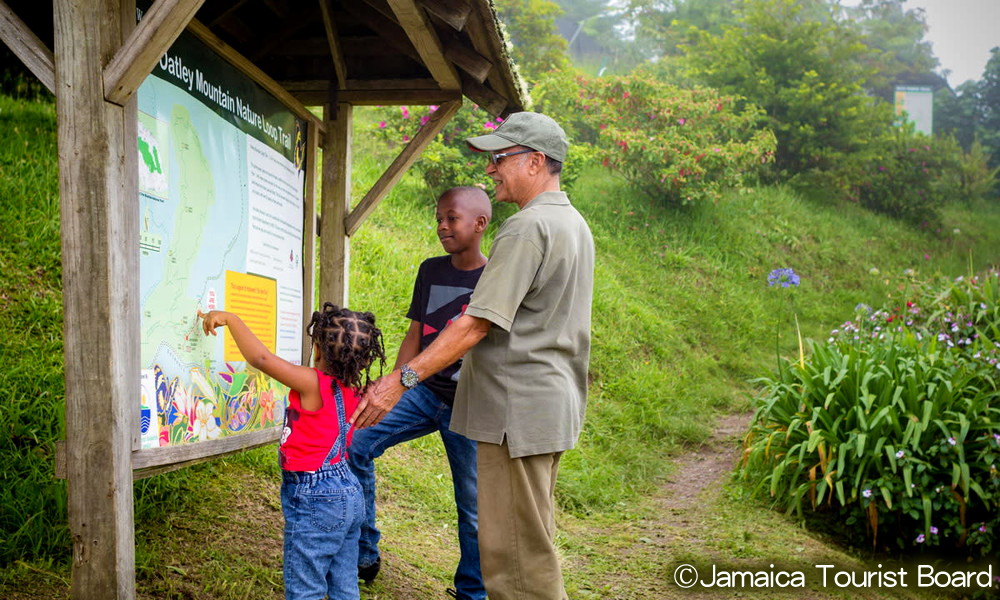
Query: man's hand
377	401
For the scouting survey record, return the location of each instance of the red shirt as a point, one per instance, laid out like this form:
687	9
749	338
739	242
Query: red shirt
309	434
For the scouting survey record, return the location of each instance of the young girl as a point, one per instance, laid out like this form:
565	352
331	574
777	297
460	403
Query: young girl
320	497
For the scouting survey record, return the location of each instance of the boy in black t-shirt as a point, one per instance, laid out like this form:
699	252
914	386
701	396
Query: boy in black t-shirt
440	295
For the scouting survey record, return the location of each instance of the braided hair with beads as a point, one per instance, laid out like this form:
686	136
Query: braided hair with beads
349	343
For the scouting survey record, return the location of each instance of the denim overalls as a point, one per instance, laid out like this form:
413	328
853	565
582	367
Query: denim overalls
323	514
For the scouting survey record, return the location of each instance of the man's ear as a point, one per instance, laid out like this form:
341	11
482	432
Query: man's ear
537	161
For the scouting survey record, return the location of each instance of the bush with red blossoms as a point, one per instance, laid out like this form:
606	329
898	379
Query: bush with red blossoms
447	161
680	146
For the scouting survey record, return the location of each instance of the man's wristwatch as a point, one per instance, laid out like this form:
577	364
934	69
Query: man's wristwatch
408	377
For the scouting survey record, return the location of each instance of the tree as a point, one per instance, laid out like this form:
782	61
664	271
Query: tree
808	76
988	124
896	36
538	47
956	113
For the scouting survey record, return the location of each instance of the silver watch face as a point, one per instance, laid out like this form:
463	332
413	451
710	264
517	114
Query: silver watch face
408	377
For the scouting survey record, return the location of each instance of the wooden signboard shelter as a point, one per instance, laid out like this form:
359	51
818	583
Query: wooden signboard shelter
93	56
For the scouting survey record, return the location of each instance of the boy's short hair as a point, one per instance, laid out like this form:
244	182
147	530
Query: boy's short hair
474	194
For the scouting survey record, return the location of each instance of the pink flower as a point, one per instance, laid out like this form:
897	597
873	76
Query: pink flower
423	120
489	125
406	138
433	107
680	121
927	256
381	124
499	119
625	95
406	112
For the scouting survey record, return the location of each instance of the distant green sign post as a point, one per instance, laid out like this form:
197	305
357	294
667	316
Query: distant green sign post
917	102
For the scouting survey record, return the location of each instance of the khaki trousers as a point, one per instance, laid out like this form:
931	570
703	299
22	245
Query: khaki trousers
517	524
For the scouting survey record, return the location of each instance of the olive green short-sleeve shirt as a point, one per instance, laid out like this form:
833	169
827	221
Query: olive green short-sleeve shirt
527	379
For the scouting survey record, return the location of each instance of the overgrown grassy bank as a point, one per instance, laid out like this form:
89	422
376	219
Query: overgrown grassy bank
683	319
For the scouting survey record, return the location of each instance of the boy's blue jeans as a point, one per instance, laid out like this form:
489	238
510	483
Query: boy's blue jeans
418	413
323	515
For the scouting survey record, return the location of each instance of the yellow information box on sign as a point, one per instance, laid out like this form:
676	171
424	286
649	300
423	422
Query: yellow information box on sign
255	300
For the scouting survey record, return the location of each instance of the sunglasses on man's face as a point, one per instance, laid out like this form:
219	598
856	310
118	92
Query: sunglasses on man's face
496	158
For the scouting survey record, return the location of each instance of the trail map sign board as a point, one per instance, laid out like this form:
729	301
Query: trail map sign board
221	227
918	104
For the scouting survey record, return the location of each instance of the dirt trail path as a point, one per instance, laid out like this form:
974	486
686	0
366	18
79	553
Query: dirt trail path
705	465
693	520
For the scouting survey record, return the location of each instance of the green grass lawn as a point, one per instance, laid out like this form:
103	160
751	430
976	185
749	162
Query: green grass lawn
683	321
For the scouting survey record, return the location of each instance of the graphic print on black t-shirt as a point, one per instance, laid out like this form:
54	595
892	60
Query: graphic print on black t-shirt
440	296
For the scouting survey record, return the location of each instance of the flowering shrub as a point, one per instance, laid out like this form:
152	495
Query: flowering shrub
909	176
447	161
893	424
681	146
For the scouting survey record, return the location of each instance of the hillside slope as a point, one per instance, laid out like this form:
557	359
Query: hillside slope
683	320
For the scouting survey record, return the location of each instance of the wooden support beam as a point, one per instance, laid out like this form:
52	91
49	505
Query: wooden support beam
159	27
184	453
420	30
241	64
334	248
466	58
453	12
336	54
309	234
410	153
152	461
487	99
100	236
26	46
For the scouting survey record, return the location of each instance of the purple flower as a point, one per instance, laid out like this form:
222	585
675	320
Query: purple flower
900	454
783	277
934	530
982	528
920	539
952	441
867	493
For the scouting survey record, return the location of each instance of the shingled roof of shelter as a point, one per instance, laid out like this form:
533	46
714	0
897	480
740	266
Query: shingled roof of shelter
363	52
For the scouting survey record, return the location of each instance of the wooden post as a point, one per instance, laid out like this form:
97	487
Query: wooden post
334	245
309	239
100	257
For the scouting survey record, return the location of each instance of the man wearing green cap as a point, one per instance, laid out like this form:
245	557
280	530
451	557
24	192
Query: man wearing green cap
526	340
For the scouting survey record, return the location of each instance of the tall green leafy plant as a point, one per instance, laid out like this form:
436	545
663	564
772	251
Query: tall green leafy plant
892	425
